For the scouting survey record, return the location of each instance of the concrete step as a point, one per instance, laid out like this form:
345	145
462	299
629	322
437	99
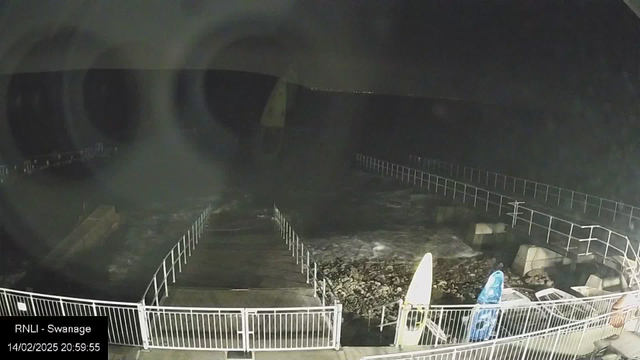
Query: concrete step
243	280
247	298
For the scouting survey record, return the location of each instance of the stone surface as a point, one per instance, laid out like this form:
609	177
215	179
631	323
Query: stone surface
531	257
363	285
89	234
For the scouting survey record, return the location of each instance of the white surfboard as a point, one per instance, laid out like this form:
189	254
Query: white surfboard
419	297
419	292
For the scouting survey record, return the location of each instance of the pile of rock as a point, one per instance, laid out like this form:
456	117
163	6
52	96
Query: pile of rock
538	277
362	285
462	280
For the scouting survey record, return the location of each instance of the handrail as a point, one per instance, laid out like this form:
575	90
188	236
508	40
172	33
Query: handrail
68	298
289	234
188	240
542	188
544	302
490	343
408	174
28	166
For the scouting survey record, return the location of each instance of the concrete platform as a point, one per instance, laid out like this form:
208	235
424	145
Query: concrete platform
242	261
249	298
346	353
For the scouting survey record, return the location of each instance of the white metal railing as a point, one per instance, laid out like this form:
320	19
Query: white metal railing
189	328
243	329
610	247
42	162
158	287
123	318
322	285
297	328
564	342
195	328
612	212
450	324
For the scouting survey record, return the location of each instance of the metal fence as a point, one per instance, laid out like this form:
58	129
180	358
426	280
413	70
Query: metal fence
566	237
149	325
240	329
124	318
158	287
322	285
610	212
564	342
451	324
15	168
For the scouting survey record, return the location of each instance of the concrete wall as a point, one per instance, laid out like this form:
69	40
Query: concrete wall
89	234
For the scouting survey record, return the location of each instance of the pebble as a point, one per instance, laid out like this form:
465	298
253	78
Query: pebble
364	285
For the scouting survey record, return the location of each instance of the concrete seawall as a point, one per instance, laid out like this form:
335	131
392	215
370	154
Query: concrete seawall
91	233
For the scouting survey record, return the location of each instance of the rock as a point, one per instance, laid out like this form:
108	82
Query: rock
535	272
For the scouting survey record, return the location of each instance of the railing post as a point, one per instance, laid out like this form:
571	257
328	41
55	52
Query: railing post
62	308
475	198
439	325
501	313
500	209
144	329
179	259
33	305
189	243
571	203
464	195
173	268
526	321
155	287
338	325
493	350
526	347
615	212
535	191
530	222
606	250
6	301
600	207
399	324
549	231
324	290
546	194
164	271
555	345
586	200
524	188
445	186
308	266
315	279
486	208
302	262
570	234
584	330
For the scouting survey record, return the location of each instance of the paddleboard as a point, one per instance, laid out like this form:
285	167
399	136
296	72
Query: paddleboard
419	292
418	298
484	320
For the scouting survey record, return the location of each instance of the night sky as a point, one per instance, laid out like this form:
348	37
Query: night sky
532	77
